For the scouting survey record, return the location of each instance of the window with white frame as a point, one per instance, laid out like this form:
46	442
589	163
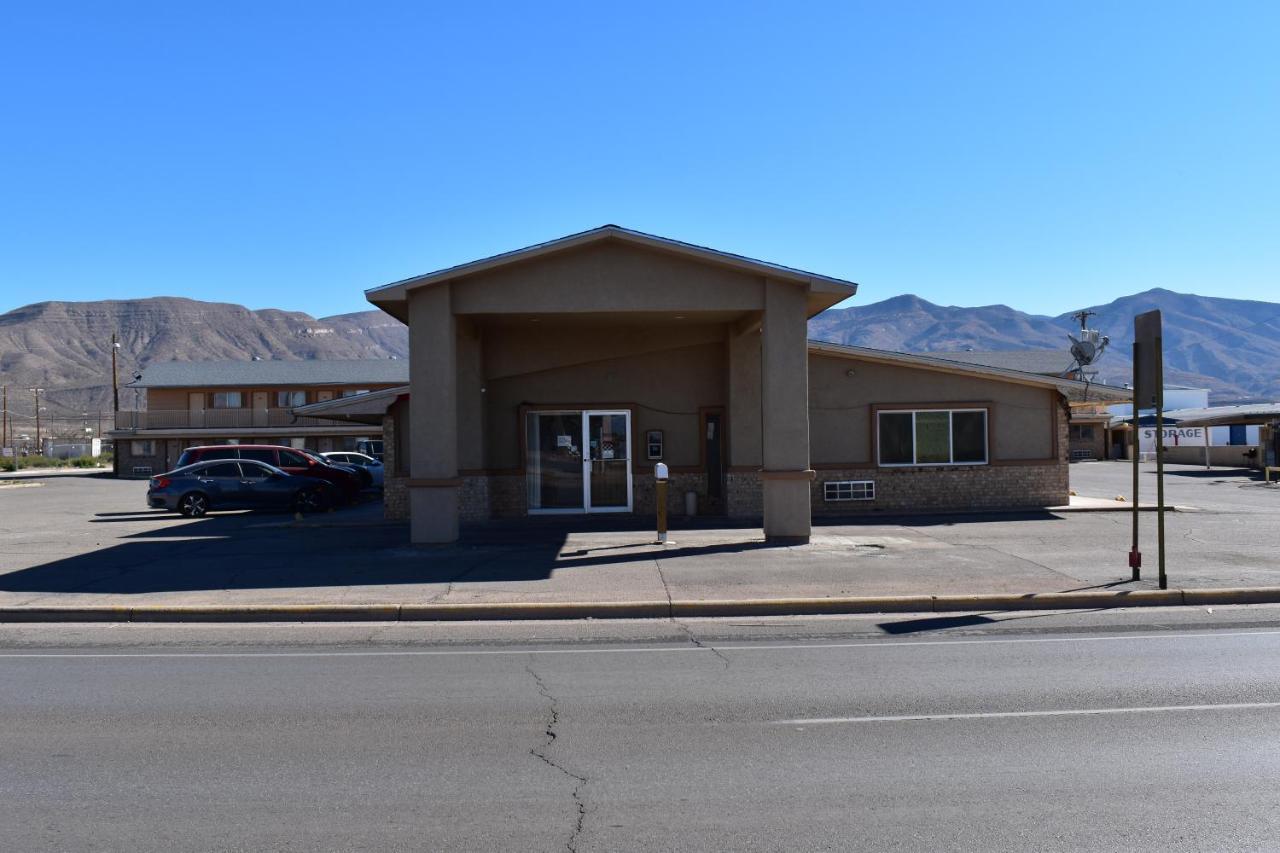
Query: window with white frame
143	447
289	399
227	400
932	437
849	490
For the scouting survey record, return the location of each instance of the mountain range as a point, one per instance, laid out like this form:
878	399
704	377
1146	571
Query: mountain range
1230	346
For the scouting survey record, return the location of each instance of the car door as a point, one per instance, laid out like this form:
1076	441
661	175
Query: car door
294	462
221	482
256	485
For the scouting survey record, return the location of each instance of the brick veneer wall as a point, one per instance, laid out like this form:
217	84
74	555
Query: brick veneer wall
395	491
744	497
644	489
948	488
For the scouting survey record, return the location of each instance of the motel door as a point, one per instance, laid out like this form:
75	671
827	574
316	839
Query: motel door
195	408
260	409
578	461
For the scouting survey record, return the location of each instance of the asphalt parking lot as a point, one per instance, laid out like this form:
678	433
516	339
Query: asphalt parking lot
79	540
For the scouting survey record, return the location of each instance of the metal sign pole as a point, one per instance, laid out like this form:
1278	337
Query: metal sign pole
1158	355
1135	556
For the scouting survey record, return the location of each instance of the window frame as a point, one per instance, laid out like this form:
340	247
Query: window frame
951	450
214	395
290	393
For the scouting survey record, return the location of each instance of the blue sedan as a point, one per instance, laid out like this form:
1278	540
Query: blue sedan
240	484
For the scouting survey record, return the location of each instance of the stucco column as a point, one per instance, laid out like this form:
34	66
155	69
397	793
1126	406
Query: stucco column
784	416
433	417
744	397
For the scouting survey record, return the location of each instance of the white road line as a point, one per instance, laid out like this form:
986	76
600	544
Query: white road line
999	715
711	649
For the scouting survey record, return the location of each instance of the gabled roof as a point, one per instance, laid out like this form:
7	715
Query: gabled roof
1072	389
1049	362
395	292
250	374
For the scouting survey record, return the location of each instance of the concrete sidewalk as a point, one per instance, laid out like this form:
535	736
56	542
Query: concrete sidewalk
519	572
121	560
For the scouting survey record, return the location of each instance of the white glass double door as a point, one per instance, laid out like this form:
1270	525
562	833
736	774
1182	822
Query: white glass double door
578	461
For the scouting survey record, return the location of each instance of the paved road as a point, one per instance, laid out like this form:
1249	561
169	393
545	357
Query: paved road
798	735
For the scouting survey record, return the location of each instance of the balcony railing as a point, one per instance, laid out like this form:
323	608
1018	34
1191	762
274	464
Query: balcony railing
216	419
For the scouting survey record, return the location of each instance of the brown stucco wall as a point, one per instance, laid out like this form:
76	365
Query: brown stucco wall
663	387
840	419
606	277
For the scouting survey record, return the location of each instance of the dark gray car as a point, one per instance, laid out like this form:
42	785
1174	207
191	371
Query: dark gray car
236	484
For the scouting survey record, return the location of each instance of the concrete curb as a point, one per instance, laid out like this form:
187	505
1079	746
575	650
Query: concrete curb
651	609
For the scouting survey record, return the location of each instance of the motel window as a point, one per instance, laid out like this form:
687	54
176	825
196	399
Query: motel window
142	447
227	400
289	399
933	437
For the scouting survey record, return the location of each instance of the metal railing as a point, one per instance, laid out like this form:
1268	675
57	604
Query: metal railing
215	419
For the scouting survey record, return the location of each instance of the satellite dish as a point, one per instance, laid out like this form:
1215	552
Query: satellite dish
1084	352
1089	346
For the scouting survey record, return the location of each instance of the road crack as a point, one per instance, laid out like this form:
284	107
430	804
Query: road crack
540	753
671	614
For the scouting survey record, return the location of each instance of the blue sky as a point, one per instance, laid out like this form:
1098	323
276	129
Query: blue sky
290	155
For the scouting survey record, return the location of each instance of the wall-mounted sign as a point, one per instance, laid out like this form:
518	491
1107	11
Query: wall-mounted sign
1173	437
653	444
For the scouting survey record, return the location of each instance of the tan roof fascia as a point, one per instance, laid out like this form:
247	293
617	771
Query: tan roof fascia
942	365
391	297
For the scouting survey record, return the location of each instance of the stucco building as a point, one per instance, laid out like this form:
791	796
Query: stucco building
552	379
190	403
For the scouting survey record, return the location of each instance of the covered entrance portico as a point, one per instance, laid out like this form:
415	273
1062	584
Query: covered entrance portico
552	379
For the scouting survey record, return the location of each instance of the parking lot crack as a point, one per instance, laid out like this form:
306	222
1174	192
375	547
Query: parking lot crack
551	734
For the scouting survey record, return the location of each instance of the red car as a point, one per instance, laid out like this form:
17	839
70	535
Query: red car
287	459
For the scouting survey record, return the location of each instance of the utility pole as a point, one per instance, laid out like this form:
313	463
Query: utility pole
4	416
115	407
39	445
115	382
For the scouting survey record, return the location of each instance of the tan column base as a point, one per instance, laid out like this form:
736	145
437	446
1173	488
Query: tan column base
787	512
433	513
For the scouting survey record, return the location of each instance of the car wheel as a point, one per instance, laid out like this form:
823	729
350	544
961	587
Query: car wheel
309	500
193	505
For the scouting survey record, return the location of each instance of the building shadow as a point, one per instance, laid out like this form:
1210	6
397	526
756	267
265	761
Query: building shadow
1216	473
244	550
